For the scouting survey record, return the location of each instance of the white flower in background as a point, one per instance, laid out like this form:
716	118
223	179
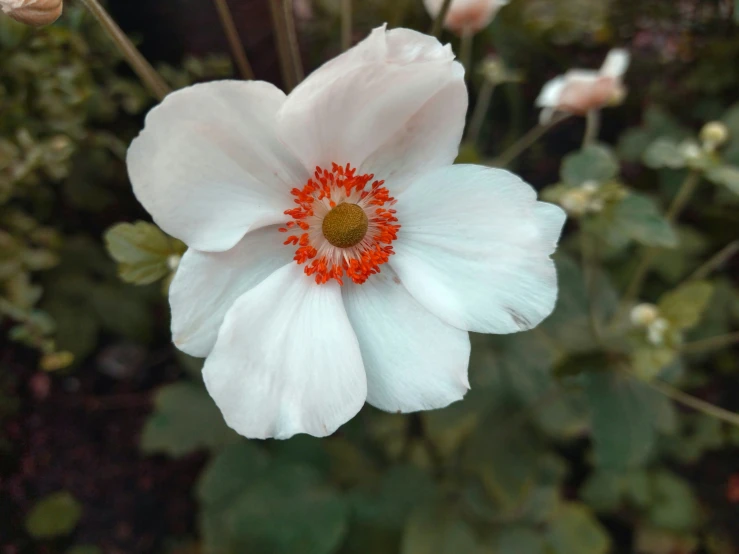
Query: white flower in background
33	12
647	316
336	255
713	135
466	16
579	90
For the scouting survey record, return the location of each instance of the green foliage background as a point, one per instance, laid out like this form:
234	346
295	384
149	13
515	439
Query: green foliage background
569	441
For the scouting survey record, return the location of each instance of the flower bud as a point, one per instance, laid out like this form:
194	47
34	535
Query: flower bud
33	12
576	201
656	331
644	314
173	262
466	16
714	134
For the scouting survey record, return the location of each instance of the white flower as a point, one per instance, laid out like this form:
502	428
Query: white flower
466	16
33	12
303	310
656	331
714	134
642	315
579	90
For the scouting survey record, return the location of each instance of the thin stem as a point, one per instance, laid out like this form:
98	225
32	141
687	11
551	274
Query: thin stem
527	140
440	17
234	42
465	51
592	128
346	24
148	75
292	41
588	268
710	344
676	207
683	195
481	109
717	260
283	44
695	403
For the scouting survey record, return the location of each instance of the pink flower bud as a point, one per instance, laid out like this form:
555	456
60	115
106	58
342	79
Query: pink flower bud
580	91
33	12
466	16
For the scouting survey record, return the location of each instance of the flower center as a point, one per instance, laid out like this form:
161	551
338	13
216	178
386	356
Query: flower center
345	225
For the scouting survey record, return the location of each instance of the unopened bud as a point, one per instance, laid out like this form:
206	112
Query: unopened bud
33	12
714	134
656	331
173	262
643	315
575	201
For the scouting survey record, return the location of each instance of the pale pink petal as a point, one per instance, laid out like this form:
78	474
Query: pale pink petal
371	99
207	284
208	165
474	248
286	360
414	361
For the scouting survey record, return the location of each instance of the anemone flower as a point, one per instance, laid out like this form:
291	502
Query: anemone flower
466	16
336	255
580	91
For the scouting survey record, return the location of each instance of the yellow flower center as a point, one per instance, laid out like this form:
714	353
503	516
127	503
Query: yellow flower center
345	225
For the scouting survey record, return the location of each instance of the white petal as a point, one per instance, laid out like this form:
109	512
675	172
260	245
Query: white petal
427	140
286	360
208	165
616	63
414	361
360	101
550	93
207	284
474	248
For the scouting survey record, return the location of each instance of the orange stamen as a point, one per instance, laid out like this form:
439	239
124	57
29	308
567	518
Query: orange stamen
319	195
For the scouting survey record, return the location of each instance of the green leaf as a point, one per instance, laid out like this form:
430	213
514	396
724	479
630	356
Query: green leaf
523	540
435	531
448	428
592	163
231	472
76	327
142	250
290	510
684	306
622	420
648	360
54	516
639	218
575	530
664	152
726	175
185	419
673	505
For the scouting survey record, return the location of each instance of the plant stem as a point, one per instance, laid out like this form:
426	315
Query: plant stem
718	259
592	128
527	140
710	344
694	402
440	17
589	272
346	25
673	212
283	44
292	41
234	42
465	51
148	75
481	109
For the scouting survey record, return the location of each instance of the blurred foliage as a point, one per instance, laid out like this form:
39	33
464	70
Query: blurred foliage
564	445
67	120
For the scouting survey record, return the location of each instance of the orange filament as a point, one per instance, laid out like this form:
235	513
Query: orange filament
320	195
